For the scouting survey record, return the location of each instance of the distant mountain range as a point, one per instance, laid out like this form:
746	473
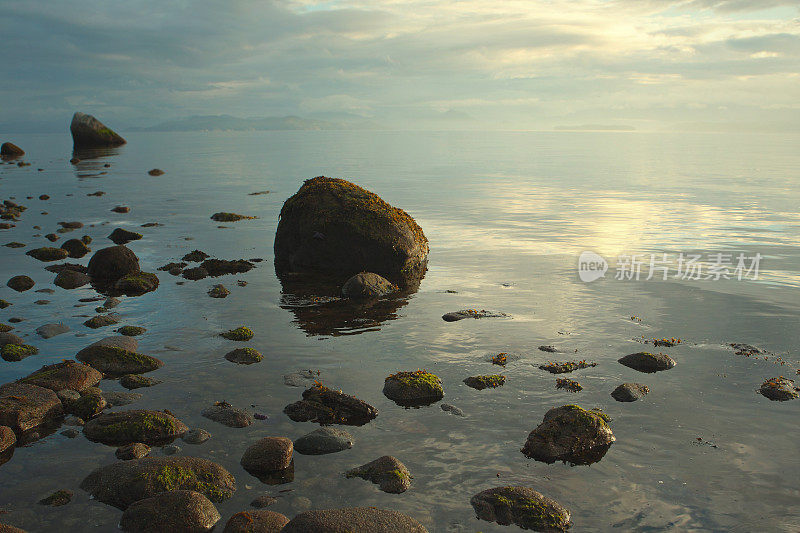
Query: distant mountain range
596	127
231	123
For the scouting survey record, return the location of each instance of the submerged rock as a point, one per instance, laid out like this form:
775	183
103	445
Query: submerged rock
779	389
470	313
111	356
387	472
325	406
630	392
123	483
118	399
88	132
228	415
20	283
57	499
648	362
24	406
262	521
485	382
135	381
135	450
66	375
521	506
48	331
70	279
571	434
46	254
332	225
323	441
123	236
413	388
196	436
180	510
367	285
353	520
244	356
110	264
452	409
125	427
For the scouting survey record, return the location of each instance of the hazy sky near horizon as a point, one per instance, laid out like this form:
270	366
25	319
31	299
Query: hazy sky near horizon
651	64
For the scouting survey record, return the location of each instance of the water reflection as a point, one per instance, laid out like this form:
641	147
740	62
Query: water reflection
91	162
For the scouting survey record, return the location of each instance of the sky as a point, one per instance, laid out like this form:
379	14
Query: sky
483	64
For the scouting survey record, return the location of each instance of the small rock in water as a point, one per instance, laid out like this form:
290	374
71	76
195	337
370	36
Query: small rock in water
242	333
268	455
229	217
100	321
244	356
196	436
251	521
20	283
135	381
565	367
57	499
452	409
131	331
228	415
135	450
413	388
470	313
218	291
195	256
263	501
569	384
648	362
121	209
69	279
170	449
123	236
779	389
71	433
180	510
387	472
195	274
630	392
367	285
48	254
326	406
571	434
155	172
48	331
301	378
485	382
521	506
118	399
323	441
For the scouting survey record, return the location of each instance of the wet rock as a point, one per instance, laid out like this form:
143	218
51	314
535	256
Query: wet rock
521	506
326	406
353	520
123	483
66	266
568	384
96	193
5	328
47	254
23	406
195	256
779	389
118	399
155	172
48	331
256	522
218	291
180	510
75	248
746	349
221	267
123	236
112	359
111	303
332	225
7	439
88	132
452	409
112	263
66	375
41	302
244	356
137	283
173	268
14	244
196	436
264	500
125	427
69	279
470	313
101	321
17	352
268	456
68	395
648	362
195	274
228	415
90	404
367	285
242	333
71	225
229	217
134	450
20	283
10	338
413	388
71	433
131	331
571	434
485	382
52	237
135	381
57	499
565	367
323	441
387	472
629	392
10	150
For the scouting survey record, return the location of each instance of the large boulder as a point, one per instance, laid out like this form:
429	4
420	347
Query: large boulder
123	483
126	427
114	356
88	132
353	520
112	263
332	225
571	434
23	406
521	506
180	510
67	374
413	388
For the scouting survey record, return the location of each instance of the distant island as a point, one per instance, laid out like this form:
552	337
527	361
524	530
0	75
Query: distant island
231	123
596	127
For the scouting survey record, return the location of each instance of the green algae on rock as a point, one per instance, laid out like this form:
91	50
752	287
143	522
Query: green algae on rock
387	472
485	382
137	283
419	387
242	333
521	506
46	254
17	352
88	132
115	360
571	434
69	375
229	217
126	427
244	356
565	367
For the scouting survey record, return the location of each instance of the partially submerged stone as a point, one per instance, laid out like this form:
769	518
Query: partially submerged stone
17	352
485	382
648	362
123	236
116	360
137	283
135	381
195	256
629	392
452	409
10	338
135	450
565	367
218	291
194	274
46	254
242	333
125	427
413	388
69	279
118	399
196	436
365	285
155	172
470	313
101	321
326	406
90	404
568	384
48	331
229	217
24	406
11	150
20	283
131	331
387	472
268	456
228	415
88	132
261	521
779	389
521	506
175	511
76	248
57	499
323	441
110	264
66	375
221	267
123	483
571	434
244	356
353	520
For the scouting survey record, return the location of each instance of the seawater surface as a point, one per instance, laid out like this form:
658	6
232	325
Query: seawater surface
507	215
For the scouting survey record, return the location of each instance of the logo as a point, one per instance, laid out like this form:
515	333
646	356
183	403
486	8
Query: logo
591	266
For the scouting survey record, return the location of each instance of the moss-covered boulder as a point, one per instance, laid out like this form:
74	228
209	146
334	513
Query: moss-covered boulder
413	388
110	264
89	405
137	283
46	254
20	283
332	225
24	406
11	150
123	236
180	510
387	472
485	382
648	362
88	132
76	248
123	483
125	427
113	358
521	506
69	375
571	434
779	389
260	521
69	279
17	352
244	356
353	520
242	333
367	285
327	406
